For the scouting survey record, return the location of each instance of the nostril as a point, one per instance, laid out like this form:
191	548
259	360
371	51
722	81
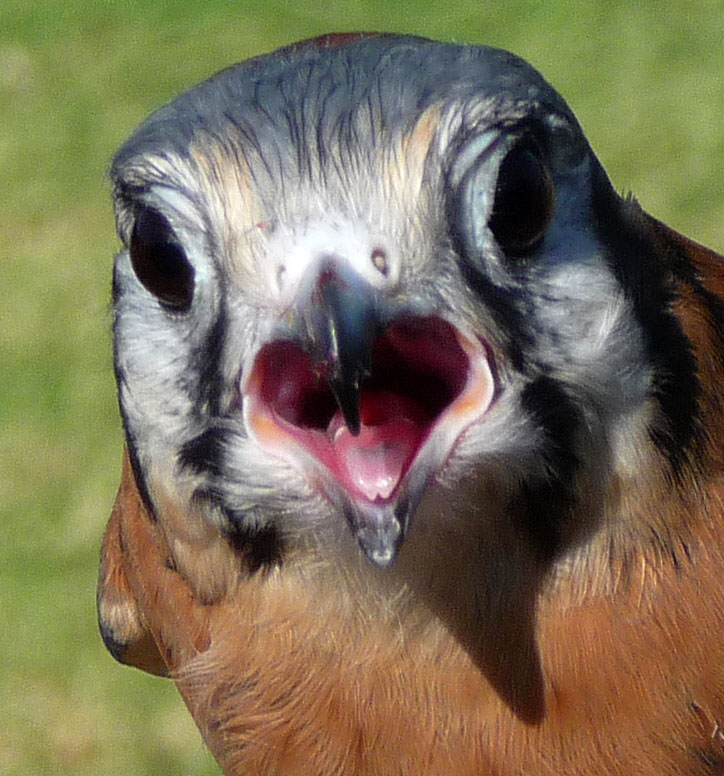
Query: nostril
379	261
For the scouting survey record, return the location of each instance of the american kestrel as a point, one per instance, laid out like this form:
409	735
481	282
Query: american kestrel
423	427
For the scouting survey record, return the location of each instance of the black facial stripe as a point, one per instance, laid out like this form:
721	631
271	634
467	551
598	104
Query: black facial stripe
501	303
206	360
260	546
545	502
650	287
205	453
136	467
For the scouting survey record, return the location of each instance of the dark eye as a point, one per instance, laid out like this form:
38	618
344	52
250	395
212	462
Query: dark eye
524	202
159	262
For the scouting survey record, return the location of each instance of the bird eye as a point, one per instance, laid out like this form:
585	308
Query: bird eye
159	262
524	201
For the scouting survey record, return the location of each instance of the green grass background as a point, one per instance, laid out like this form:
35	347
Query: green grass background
646	80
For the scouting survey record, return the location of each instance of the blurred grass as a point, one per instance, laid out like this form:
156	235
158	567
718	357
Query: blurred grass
646	80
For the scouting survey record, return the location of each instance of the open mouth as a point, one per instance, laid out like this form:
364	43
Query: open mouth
427	380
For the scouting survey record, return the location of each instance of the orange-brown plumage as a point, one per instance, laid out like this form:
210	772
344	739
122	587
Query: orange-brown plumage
279	684
497	643
288	672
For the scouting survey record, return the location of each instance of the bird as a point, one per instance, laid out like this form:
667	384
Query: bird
423	467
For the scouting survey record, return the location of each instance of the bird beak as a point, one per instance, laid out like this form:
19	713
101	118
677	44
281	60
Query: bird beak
366	399
340	321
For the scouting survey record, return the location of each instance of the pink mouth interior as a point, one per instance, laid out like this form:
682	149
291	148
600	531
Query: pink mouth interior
418	370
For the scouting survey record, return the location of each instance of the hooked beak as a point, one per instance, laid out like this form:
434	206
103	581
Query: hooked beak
370	397
341	324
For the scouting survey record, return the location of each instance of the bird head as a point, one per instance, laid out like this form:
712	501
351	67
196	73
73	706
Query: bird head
366	280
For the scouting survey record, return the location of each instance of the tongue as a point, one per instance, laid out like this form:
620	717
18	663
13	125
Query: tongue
373	462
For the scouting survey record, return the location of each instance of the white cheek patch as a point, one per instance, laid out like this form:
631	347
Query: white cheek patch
587	329
590	336
152	363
